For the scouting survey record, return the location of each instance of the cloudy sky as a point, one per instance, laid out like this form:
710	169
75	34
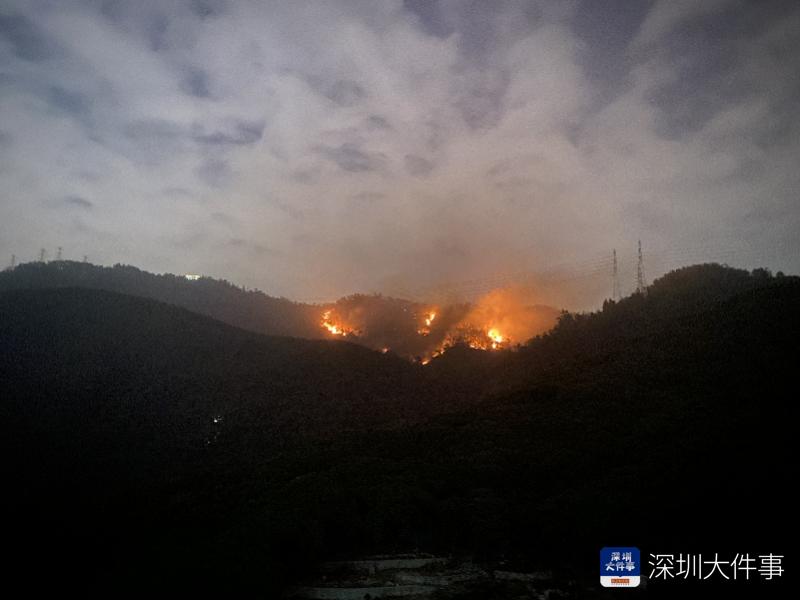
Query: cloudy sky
313	149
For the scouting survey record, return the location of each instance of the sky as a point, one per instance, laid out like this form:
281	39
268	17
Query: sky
316	149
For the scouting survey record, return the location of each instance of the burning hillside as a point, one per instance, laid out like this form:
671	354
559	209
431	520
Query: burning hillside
499	320
334	326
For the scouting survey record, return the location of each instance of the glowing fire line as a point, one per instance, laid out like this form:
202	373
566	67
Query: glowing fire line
429	319
496	337
331	327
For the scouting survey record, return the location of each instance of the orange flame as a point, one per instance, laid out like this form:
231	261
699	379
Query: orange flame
498	321
332	327
430	317
496	337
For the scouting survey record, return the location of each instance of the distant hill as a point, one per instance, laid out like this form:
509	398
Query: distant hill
149	448
111	403
666	421
162	358
248	309
680	294
372	320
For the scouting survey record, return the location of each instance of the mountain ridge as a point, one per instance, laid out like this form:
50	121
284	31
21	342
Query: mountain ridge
176	452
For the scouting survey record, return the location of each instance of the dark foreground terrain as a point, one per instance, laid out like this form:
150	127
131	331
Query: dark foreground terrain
148	449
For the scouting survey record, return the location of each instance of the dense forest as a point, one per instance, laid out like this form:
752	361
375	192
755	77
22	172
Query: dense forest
373	320
249	309
151	448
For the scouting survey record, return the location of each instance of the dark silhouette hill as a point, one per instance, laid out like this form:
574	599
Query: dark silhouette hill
248	309
112	403
372	320
149	448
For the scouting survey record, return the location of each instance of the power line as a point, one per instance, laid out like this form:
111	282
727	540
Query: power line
641	282
591	271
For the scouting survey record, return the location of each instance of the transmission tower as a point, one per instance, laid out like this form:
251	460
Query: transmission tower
42	254
58	255
641	282
615	293
13	260
85	258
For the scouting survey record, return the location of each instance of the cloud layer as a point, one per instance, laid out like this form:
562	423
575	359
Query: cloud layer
313	149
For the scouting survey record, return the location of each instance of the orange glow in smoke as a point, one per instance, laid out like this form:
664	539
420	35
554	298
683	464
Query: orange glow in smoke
499	320
430	317
334	328
496	338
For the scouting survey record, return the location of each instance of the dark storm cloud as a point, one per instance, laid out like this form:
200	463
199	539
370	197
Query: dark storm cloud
151	26
25	38
366	138
154	131
350	157
196	83
431	18
209	8
242	133
482	29
345	92
481	102
377	122
710	50
157	131
607	29
156	29
75	103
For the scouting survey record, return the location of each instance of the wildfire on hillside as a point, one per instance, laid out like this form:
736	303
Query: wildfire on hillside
334	325
428	319
496	337
500	320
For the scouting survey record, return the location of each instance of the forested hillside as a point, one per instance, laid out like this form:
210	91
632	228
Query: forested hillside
149	448
248	309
